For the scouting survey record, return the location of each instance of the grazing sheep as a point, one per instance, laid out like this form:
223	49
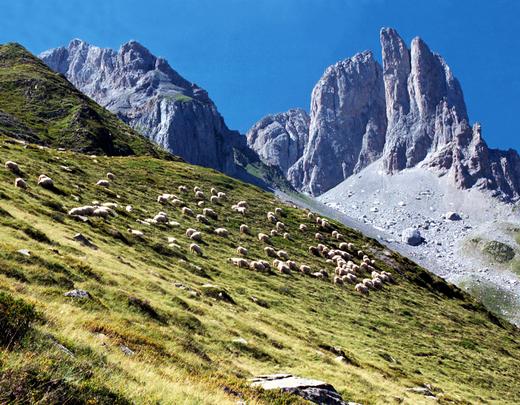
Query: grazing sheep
375	274
177	202
349	278
318	274
199	195
361	288
194	248
389	276
242	251
274	232
214	199
321	247
196	236
190	231
103	183
222	232
242	204
196	188
271	217
338	280
283	268
292	265
201	218
266	264
310	215
208	212
303	227
244	229
45	181
280	226
269	251
282	254
136	232
262	237
368	283
344	246
187	211
12	166
161	218
111	176
171	239
377	283
241	210
20	183
318	236
183	189
200	204
86	210
162	199
103	212
305	269
286	235
129	208
278	211
222	196
214	191
325	224
360	254
257	265
313	250
239	262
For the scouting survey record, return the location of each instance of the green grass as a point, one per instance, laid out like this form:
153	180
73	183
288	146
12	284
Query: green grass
37	104
150	298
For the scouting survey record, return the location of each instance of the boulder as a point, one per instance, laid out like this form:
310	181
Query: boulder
452	216
412	237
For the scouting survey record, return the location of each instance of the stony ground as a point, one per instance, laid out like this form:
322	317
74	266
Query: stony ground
419	199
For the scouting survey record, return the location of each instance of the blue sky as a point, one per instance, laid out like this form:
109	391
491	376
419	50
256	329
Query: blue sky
261	56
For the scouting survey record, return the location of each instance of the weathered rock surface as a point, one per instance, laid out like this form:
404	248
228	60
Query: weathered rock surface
315	391
279	139
412	237
145	92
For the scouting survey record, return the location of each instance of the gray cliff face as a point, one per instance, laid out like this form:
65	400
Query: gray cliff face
279	139
411	112
424	102
148	94
348	124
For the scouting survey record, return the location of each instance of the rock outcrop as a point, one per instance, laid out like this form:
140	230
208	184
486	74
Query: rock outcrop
411	112
145	92
279	139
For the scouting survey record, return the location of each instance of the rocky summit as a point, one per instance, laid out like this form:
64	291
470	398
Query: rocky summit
409	112
145	92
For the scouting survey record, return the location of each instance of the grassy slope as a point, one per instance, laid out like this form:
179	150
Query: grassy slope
406	335
39	104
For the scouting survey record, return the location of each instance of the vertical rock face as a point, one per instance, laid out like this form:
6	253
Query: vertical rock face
148	94
424	102
279	139
347	125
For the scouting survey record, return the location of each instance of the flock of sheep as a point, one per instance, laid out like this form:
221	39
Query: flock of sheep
363	275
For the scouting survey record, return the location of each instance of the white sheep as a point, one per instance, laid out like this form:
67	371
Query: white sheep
389	276
194	248
313	250
163	198
262	237
196	188
129	208
361	288
208	212
20	183
368	283
214	191
244	229
111	176
196	236
338	280
283	268
202	219
103	183
161	217
375	274
305	269
45	181
187	211
269	251
221	195
242	251
271	217
280	226
12	166
266	264
349	278
239	262
257	265
178	202
136	232
103	212
214	199
190	231
278	211
242	204
183	189
222	232
171	239
377	283
303	227
286	235
274	232
292	265
200	195
282	254
318	236
310	215
200	204
86	210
